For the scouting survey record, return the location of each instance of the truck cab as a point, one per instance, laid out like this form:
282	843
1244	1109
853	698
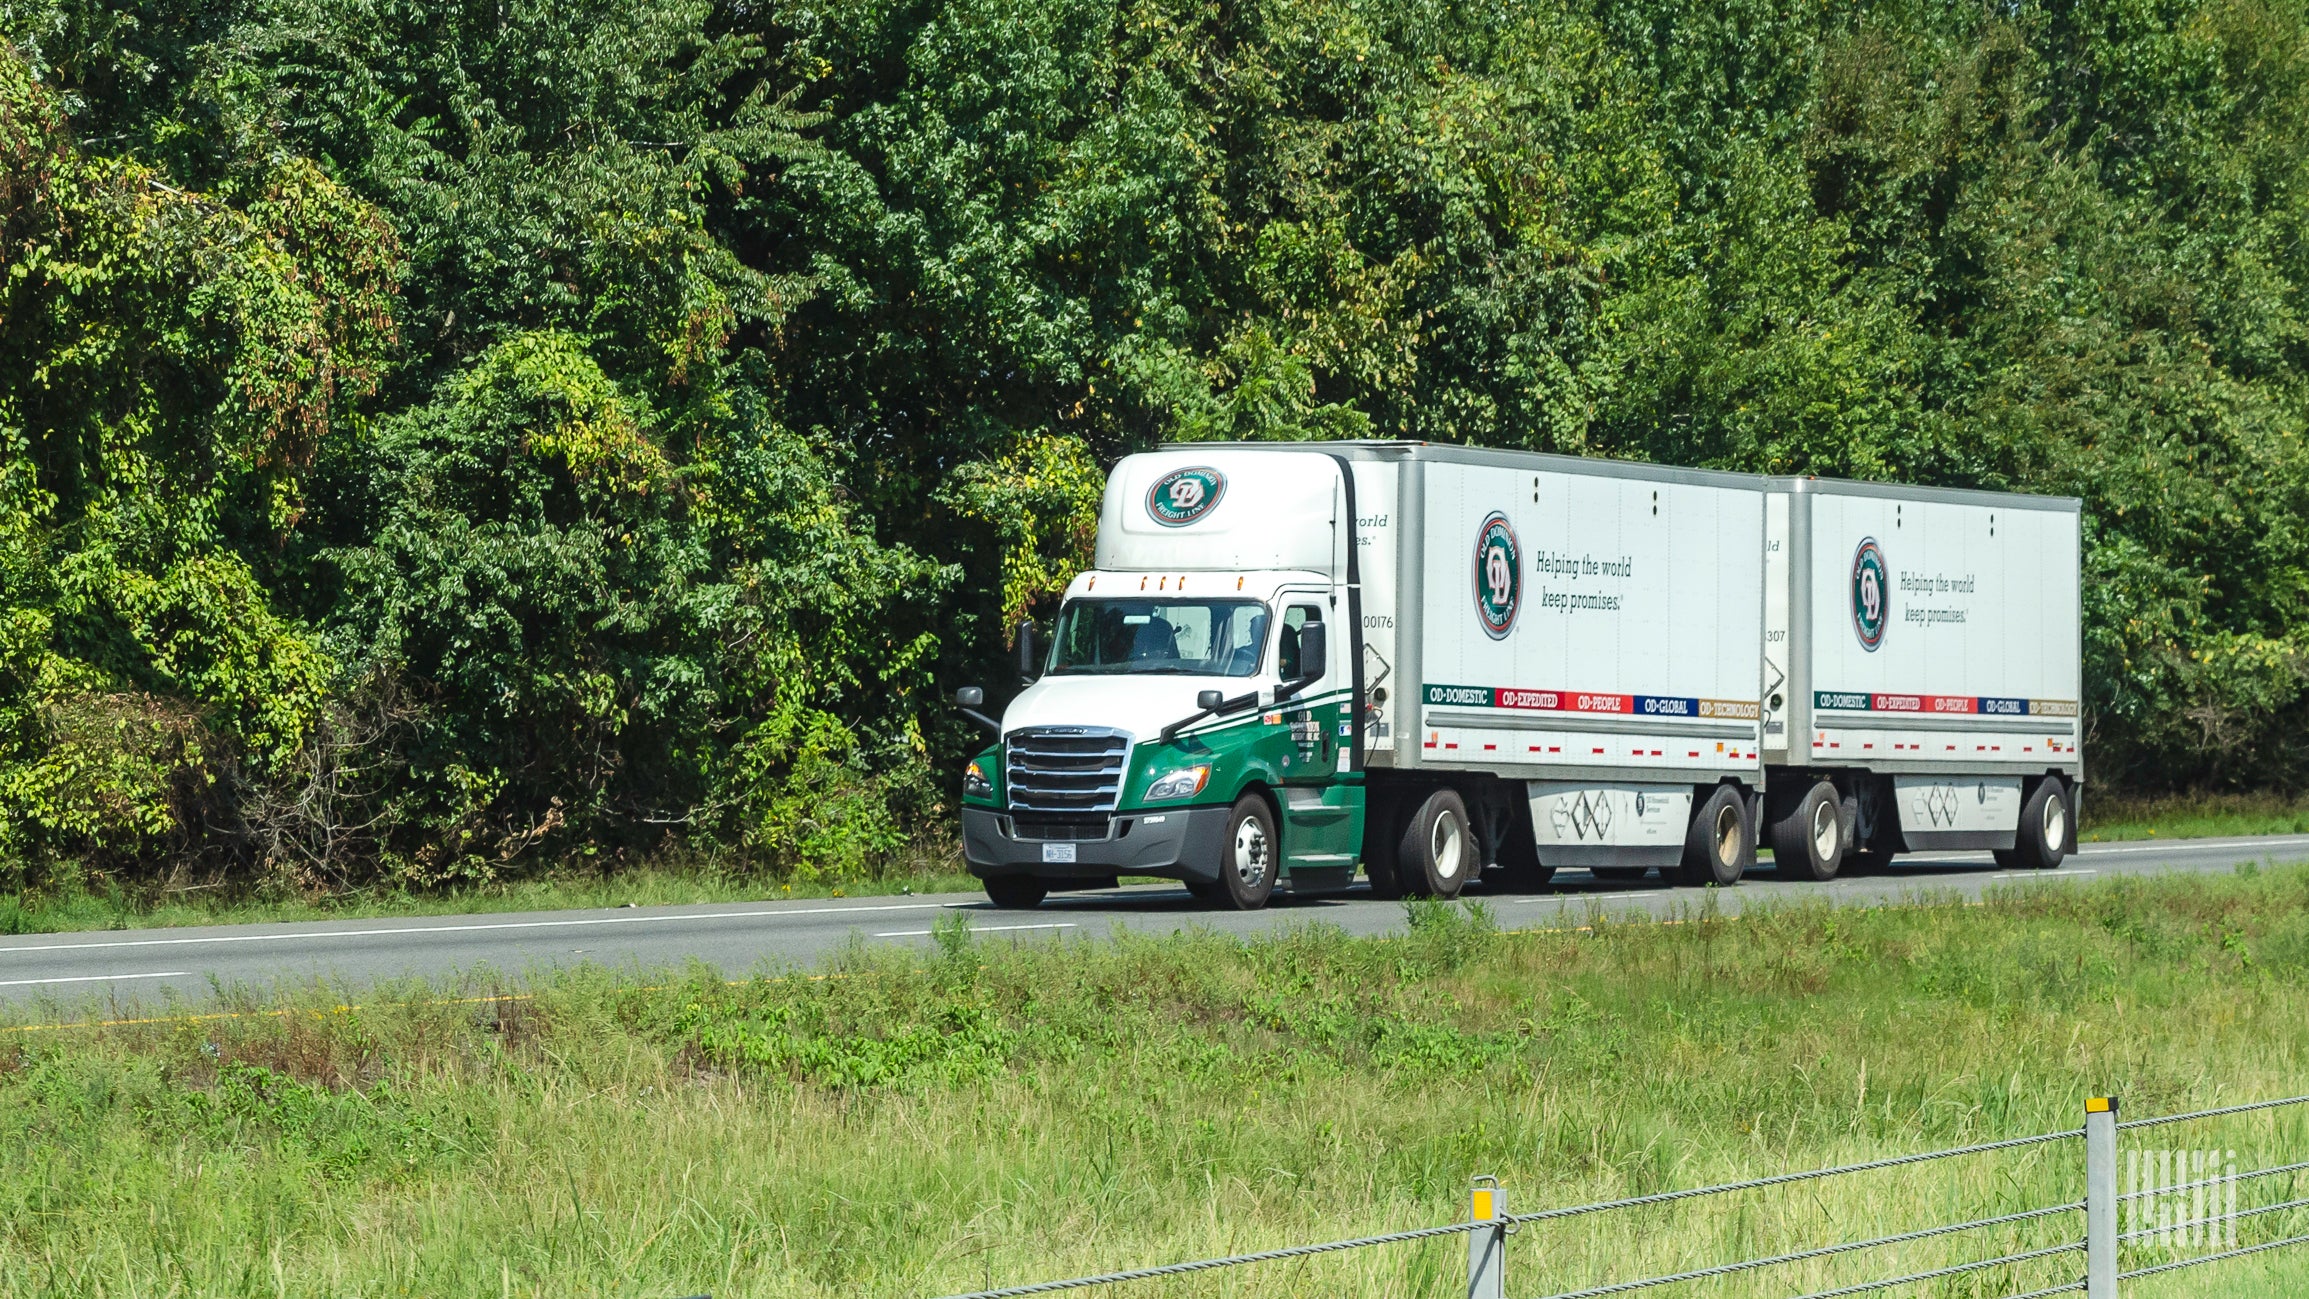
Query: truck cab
1193	715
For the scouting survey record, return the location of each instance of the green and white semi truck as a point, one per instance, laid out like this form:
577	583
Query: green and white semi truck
1291	661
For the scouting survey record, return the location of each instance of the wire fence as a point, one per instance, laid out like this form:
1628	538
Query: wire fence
2101	1243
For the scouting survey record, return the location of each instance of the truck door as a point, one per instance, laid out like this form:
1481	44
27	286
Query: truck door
1322	799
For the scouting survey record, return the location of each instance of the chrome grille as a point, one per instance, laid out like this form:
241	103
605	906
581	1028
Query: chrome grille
1064	768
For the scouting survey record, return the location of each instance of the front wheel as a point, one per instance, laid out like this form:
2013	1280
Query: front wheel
1016	892
1808	843
1250	857
1437	854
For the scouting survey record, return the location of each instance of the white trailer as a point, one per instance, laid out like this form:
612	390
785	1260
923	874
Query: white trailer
1294	658
1575	641
1922	662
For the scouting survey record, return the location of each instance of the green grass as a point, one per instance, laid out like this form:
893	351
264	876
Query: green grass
899	1124
2190	816
102	904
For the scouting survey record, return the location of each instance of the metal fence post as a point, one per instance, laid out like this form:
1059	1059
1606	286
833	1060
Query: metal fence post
1487	1248
2101	1198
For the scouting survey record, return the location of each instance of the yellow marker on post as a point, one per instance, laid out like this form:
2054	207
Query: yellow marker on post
1487	1247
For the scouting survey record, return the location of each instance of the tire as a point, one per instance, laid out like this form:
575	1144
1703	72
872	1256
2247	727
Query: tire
1808	843
1250	857
1016	892
2047	827
1716	846
1381	838
1437	854
1619	874
1519	867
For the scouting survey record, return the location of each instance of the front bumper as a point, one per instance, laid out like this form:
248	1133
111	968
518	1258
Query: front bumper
1179	843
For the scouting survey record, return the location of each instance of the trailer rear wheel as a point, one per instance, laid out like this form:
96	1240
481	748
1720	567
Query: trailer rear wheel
1808	843
1016	892
1716	847
1437	853
2047	830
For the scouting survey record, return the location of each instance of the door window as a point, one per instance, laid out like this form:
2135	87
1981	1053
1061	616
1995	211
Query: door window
1287	656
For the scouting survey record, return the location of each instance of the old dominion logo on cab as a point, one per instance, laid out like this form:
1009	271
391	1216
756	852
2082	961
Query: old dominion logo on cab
1498	576
1182	496
1871	594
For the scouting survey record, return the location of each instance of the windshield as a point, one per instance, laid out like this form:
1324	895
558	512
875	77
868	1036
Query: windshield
1204	638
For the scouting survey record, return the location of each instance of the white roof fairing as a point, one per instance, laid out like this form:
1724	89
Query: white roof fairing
1278	510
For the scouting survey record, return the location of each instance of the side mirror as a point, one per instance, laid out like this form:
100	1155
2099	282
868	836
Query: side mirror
1209	700
1312	660
970	699
1029	663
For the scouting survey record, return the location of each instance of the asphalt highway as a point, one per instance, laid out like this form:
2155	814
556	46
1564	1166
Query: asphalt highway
144	969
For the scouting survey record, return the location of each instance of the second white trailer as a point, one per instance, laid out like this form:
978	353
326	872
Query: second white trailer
1923	672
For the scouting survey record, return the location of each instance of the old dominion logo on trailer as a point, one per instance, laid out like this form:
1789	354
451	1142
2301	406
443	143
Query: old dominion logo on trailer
1181	496
1871	594
1498	575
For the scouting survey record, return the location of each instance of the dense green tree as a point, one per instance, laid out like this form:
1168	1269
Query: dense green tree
442	436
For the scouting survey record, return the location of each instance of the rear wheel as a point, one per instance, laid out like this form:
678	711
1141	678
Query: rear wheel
1808	842
1016	892
1382	838
1437	853
2047	830
1716	846
1250	856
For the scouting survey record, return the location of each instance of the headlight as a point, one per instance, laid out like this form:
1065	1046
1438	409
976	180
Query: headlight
1179	784
975	784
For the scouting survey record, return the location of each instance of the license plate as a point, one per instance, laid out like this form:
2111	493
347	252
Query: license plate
1058	852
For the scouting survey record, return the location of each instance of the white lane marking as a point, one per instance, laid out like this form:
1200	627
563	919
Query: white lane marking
458	929
977	929
2036	875
2193	845
6	950
94	978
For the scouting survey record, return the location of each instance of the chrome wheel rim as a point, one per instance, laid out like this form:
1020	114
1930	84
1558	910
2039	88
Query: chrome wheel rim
1250	852
1824	830
1447	845
1727	834
2055	823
